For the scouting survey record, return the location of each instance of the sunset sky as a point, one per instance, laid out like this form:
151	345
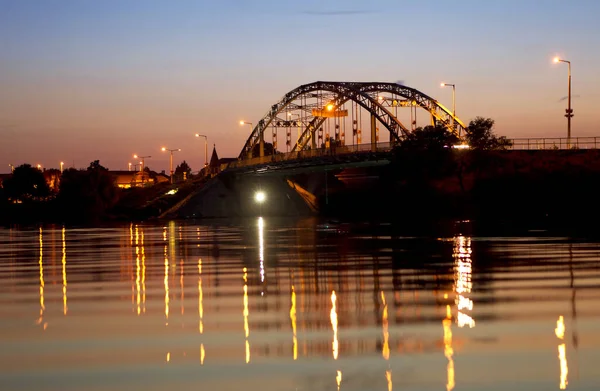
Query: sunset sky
82	80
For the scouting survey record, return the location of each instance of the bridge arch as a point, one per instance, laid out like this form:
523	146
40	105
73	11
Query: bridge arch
375	97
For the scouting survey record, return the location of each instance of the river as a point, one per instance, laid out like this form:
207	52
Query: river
304	305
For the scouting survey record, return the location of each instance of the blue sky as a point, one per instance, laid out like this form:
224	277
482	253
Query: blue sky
83	80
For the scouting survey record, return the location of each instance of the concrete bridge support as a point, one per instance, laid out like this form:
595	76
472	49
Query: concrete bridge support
230	196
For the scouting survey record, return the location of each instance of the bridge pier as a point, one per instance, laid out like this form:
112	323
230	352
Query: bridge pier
231	196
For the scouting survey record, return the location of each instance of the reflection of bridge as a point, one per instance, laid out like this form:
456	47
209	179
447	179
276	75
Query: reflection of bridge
327	115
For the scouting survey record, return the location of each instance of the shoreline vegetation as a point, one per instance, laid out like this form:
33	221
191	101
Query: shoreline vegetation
427	180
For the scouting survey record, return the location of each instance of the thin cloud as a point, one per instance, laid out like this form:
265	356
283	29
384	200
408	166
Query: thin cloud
567	97
401	82
339	12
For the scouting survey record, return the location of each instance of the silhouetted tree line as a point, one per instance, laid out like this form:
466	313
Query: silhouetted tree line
85	196
75	196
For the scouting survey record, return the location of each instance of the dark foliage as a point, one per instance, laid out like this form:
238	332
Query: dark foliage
480	135
26	184
86	195
183	167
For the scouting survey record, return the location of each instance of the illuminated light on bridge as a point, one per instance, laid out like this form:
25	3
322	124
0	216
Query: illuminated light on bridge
260	197
461	146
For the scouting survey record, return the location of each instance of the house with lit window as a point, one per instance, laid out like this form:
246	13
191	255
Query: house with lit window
127	179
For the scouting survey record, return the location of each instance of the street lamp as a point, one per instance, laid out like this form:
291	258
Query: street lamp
171	151
205	148
129	166
142	164
62	165
569	111
12	167
453	96
39	167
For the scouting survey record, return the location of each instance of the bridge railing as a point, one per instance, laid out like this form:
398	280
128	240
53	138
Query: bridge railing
555	143
311	153
539	143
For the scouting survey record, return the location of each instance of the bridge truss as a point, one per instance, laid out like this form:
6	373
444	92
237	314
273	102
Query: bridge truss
325	113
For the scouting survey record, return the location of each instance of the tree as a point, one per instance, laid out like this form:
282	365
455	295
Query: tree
431	138
95	165
26	183
183	167
480	135
87	194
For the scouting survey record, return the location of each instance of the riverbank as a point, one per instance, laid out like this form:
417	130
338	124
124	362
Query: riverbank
522	187
534	189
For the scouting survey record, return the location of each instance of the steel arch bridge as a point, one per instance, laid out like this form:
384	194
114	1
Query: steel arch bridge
313	104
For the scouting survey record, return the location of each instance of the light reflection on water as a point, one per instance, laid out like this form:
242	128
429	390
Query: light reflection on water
343	303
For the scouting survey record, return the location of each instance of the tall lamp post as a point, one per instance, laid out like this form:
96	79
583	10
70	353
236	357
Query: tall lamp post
453	96
12	167
171	151
62	165
205	148
261	140
569	111
142	164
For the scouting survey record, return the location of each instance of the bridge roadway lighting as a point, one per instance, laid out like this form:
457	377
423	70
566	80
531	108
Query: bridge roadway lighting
205	148
569	111
260	196
142	164
171	158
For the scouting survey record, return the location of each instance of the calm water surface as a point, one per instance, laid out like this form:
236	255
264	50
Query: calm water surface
295	306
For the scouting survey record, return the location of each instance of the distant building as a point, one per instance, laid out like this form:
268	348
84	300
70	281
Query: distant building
216	165
127	179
